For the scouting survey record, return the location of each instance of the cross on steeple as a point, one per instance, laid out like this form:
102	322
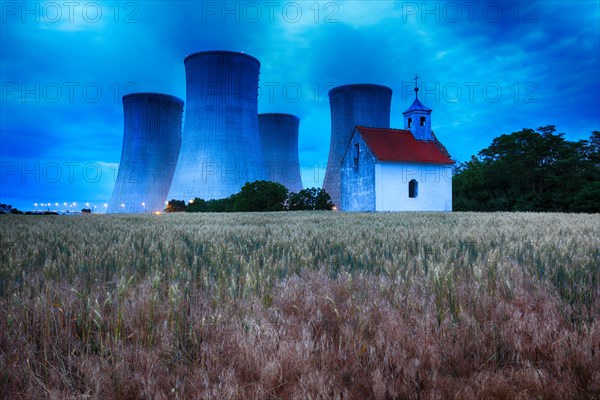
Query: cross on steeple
416	78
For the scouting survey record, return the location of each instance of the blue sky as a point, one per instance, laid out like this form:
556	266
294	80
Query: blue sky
486	68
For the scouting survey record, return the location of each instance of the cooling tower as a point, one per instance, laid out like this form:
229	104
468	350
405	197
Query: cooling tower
351	105
279	141
220	147
151	140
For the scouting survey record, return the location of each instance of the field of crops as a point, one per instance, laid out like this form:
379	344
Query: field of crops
301	305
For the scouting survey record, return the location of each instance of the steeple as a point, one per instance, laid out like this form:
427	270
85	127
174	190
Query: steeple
417	118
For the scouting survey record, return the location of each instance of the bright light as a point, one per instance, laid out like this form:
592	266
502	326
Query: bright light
87	204
334	208
105	205
35	204
143	204
192	201
65	204
74	204
123	205
56	204
157	213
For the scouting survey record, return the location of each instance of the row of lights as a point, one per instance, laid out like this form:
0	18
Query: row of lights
144	205
74	204
65	204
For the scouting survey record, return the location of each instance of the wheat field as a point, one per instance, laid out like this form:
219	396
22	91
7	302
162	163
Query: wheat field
300	305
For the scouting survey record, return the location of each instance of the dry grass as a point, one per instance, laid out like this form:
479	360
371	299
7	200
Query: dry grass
300	305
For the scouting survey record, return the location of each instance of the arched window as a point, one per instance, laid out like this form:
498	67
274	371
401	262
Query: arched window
413	189
422	121
409	122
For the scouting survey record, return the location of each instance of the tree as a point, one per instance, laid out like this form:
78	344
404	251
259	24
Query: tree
261	196
588	198
221	205
175	206
86	210
529	170
196	205
310	199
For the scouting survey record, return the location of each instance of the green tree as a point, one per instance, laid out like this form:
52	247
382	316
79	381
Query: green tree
221	205
588	198
197	205
529	170
261	196
310	199
175	206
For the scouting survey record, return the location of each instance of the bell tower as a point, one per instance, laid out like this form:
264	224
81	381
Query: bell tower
417	118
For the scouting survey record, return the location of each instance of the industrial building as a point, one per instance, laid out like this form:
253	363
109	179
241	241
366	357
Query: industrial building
220	148
279	141
352	105
151	141
397	169
225	143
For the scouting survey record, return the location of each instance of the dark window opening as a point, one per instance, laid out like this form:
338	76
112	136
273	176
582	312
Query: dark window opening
422	121
409	122
413	189
356	154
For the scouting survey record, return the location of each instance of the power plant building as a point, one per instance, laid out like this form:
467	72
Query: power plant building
151	141
352	105
279	140
225	144
220	148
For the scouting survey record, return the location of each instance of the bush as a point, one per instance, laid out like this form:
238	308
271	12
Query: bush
196	205
588	198
261	196
310	199
221	205
5	208
175	206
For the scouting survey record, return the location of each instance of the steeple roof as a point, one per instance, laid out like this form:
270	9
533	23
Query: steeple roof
417	106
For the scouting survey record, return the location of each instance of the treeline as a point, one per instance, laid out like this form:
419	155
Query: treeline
258	196
8	209
531	170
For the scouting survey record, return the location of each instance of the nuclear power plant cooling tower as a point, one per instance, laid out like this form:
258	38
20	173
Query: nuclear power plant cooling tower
220	147
279	140
351	105
151	140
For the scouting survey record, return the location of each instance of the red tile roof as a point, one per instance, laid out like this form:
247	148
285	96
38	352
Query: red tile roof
401	145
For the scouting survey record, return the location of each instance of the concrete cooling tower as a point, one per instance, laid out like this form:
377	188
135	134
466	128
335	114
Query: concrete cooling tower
351	105
220	147
151	140
279	140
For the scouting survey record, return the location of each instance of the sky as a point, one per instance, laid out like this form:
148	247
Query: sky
485	68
